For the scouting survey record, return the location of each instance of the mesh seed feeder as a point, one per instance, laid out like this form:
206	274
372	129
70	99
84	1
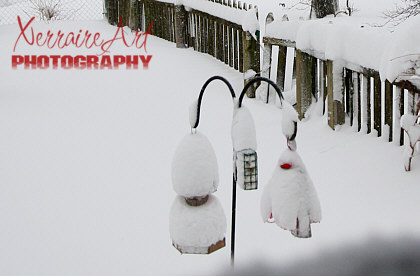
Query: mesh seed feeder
244	149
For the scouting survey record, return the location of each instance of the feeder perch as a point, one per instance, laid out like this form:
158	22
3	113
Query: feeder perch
246	171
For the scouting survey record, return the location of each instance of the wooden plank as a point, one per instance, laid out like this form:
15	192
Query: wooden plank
368	114
377	105
350	95
235	48
400	113
281	66
225	44
211	31
389	108
305	82
357	114
180	26
335	95
266	68
231	48
241	50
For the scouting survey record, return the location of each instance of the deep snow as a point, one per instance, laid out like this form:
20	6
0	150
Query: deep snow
85	168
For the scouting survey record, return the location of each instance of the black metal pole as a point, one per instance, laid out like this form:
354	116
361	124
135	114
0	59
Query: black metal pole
256	79
232	237
200	97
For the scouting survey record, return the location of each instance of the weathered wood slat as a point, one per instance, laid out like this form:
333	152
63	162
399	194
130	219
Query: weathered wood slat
281	66
377	105
231	48
305	82
389	108
225	45
235	48
335	89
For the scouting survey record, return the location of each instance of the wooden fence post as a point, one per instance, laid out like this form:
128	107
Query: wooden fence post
281	66
180	26
265	72
235	48
377	120
247	59
389	108
357	112
398	112
305	81
366	103
335	94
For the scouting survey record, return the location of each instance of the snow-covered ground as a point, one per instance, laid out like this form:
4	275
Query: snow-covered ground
85	168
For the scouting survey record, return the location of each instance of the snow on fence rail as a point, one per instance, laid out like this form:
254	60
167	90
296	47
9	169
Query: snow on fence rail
348	79
215	27
351	71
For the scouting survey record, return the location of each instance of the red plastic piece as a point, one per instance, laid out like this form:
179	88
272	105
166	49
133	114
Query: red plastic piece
286	166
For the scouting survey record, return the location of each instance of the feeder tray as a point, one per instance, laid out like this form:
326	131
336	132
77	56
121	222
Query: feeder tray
200	250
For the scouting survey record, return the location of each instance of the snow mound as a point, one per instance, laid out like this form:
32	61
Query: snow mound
289	118
194	167
290	198
243	130
250	21
197	227
193	113
403	54
409	124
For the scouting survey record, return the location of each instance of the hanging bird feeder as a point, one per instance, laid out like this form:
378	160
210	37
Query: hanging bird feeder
246	169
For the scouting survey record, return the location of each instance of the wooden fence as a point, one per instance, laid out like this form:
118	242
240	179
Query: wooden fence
206	33
350	91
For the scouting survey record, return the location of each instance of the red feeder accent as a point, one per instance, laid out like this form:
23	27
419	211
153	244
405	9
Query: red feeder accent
286	166
271	219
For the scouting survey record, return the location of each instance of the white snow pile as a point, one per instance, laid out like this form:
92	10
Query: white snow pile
243	130
216	9
244	140
356	44
409	124
289	199
249	74
403	53
289	118
193	113
195	228
194	167
250	21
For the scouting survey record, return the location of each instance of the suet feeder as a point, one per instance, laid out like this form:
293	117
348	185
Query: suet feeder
246	171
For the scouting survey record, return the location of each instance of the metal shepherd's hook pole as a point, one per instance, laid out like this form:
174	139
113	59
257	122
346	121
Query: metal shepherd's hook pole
232	92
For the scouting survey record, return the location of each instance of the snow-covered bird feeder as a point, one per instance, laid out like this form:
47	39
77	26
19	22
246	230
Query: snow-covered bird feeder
197	221
244	145
290	199
197	229
246	170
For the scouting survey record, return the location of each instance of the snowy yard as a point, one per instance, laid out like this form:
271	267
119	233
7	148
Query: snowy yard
85	158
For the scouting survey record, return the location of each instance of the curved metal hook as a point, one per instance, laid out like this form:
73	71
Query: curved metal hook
200	97
254	80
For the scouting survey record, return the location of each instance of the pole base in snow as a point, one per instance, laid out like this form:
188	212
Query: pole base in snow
200	250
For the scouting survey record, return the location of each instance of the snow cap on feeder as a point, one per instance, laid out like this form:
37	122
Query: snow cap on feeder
290	199
289	124
194	167
197	229
244	146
